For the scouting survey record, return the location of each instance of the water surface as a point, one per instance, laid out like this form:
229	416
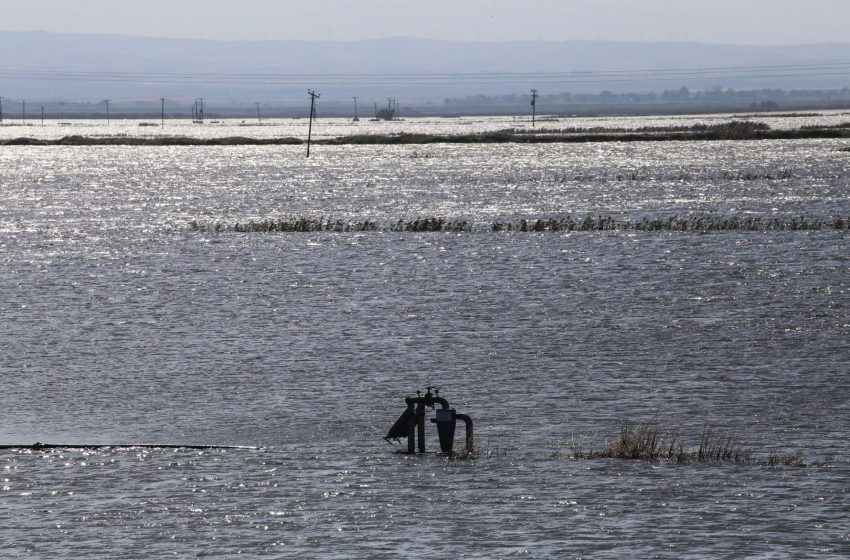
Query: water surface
122	325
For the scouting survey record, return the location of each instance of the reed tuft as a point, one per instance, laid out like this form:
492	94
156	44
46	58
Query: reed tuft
648	442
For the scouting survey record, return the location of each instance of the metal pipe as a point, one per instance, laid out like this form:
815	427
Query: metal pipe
443	402
469	436
411	428
420	421
429	400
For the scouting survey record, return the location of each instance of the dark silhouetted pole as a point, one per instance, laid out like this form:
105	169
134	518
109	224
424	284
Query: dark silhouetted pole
162	112
1	110
355	109
313	96
107	111
198	111
533	106
23	112
257	103
42	115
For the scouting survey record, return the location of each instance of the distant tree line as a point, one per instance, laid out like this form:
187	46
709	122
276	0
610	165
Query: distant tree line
762	99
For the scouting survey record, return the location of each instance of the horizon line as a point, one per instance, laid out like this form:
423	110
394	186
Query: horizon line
417	38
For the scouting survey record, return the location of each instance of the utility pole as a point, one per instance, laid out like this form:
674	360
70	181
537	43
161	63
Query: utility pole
313	96
533	106
107	111
162	112
356	119
198	111
257	103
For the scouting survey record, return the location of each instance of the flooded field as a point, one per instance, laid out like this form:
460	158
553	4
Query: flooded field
124	324
325	128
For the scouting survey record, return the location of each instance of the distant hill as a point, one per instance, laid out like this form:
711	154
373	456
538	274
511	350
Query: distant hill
171	67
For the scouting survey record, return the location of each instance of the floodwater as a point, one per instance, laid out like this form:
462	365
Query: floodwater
252	127
121	324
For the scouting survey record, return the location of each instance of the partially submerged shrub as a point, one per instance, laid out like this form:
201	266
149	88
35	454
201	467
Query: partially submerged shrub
642	441
648	442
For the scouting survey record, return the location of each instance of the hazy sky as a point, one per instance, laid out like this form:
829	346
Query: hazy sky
716	21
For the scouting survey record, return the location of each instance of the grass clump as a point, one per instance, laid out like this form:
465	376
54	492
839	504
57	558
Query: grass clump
645	442
648	442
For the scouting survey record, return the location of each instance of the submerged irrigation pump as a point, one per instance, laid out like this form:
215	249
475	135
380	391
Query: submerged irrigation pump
412	422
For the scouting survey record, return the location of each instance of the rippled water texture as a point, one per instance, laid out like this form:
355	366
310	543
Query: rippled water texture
123	325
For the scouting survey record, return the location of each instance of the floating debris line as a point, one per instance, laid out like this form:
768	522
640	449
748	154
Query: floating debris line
699	224
38	446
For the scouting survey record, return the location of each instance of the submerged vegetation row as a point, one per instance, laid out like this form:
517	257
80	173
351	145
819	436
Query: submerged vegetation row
700	224
735	130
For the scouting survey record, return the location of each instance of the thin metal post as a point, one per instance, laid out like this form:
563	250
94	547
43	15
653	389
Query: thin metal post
355	109
42	115
107	111
1	111
24	112
257	103
162	112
